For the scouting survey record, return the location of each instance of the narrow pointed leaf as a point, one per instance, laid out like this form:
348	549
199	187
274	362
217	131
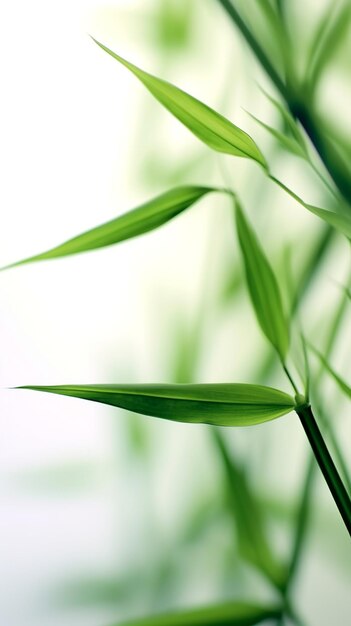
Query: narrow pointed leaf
231	614
223	404
345	388
286	142
290	122
209	126
141	220
339	221
333	30
263	286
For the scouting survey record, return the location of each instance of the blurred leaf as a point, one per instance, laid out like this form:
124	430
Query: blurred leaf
263	286
223	404
248	518
345	388
173	21
138	437
329	35
186	347
98	590
232	284
141	220
209	126
286	142
231	614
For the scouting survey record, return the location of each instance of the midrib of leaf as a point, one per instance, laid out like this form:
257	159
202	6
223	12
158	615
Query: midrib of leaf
133	392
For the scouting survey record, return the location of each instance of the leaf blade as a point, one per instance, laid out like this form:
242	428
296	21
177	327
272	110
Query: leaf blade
263	286
139	221
209	126
223	404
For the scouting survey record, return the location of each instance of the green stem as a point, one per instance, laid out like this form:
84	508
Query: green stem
290	378
326	463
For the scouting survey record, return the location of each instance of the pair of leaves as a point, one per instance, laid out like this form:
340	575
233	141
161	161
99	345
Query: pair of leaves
231	614
222	404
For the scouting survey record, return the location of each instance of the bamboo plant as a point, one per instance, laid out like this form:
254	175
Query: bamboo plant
234	404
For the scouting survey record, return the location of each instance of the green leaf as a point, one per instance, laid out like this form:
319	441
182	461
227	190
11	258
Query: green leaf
333	28
290	123
345	388
286	142
263	286
339	221
224	404
209	126
231	614
141	220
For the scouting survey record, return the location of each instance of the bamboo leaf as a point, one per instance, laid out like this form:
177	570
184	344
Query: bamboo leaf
339	221
231	614
345	388
286	142
263	286
209	126
224	404
141	220
289	121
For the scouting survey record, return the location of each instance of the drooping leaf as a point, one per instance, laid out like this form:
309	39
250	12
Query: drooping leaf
231	614
223	404
141	220
209	126
345	388
263	286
